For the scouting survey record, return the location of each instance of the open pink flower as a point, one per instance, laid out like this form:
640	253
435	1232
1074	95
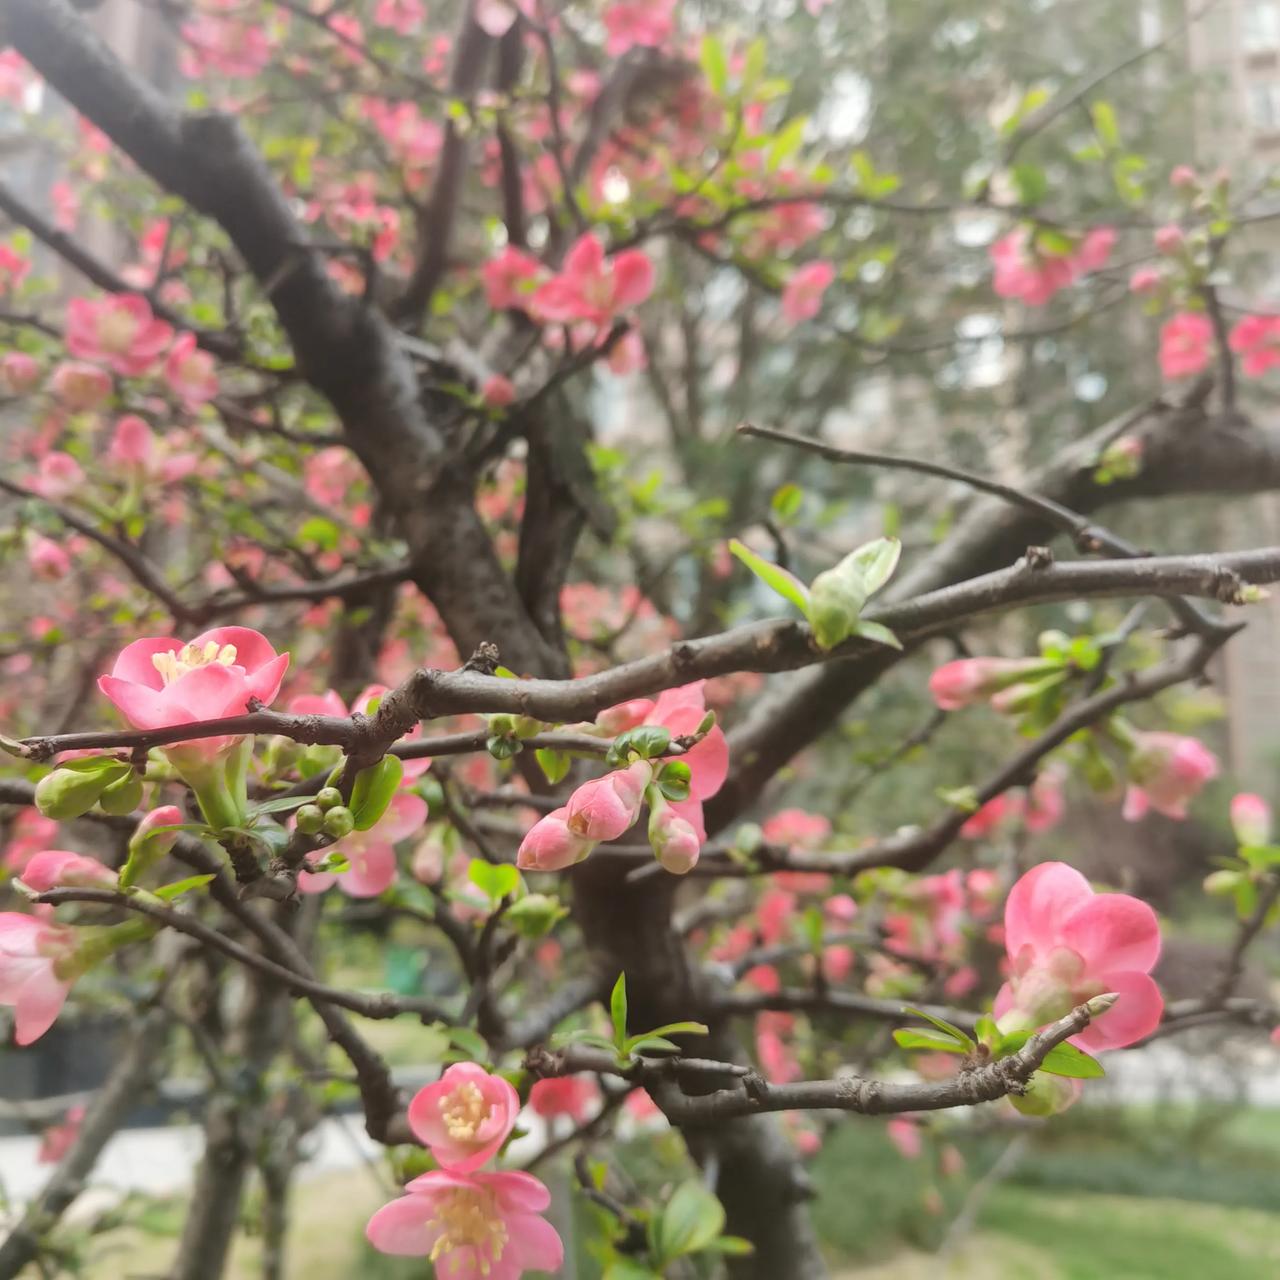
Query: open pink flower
648	23
55	868
1166	772
1022	273
190	373
79	387
1067	944
60	475
803	293
161	681
1185	341
479	1226
464	1117
511	278
30	951
592	288
119	331
1256	339
371	853
551	846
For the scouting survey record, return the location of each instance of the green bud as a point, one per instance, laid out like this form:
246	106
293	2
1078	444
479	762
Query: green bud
535	915
67	793
123	796
1046	1095
835	603
339	822
328	797
310	819
526	726
502	725
1222	882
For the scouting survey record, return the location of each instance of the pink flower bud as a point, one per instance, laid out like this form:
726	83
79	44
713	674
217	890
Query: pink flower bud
675	842
498	392
1169	239
1251	819
1145	280
1183	178
19	373
47	559
150	830
605	808
551	846
840	909
57	868
971	680
1167	771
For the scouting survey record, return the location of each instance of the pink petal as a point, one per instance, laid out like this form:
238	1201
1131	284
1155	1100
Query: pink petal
317	704
1115	932
38	1004
1135	1016
686	695
264	683
406	813
372	871
207	693
20	934
134	662
1038	903
316	881
691	811
632	278
518	1192
1003	1001
402	1227
534	1244
709	765
586	258
253	649
144	708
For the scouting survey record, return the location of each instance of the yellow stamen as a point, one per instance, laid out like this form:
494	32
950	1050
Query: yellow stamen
464	1111
173	665
469	1218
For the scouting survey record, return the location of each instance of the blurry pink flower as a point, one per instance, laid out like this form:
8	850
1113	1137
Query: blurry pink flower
233	47
840	908
1094	250
775	911
479	1226
572	1096
371	853
161	681
30	952
629	23
190	373
47	559
1022	273
837	962
1256	339
1183	178
1145	280
905	1135
495	17
1169	239
628	355
1045	803
1166	772
592	288
56	868
604	808
802	295
13	268
58	475
118	330
1067	944
19	372
66	205
58	1139
465	1117
1185	340
498	391
968	681
777	1061
31	832
16	77
511	278
991	816
1250	819
674	840
551	846
132	446
402	16
79	387
796	828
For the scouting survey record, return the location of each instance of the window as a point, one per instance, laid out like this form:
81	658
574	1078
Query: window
1264	107
1261	25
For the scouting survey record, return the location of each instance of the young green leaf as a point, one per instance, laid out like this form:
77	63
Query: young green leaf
494	880
175	890
944	1026
374	789
554	764
930	1040
877	632
689	1221
774	576
618	1011
1066	1060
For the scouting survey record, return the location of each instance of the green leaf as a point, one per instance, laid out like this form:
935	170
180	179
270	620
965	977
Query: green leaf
786	502
554	764
942	1024
285	804
470	1042
175	890
715	66
630	1269
1031	183
734	1246
123	795
690	1221
494	879
374	789
681	1029
908	1039
877	632
787	143
650	1044
774	576
618	1010
1104	121
645	741
673	781
1066	1060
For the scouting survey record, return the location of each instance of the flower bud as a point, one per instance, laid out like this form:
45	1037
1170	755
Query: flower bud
68	793
1046	1095
551	846
328	797
310	819
1251	819
675	842
57	868
339	822
150	841
122	797
968	681
1169	240
605	808
535	915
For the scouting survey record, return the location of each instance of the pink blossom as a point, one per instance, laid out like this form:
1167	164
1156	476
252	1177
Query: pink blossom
802	295
1183	178
19	372
840	908
190	373
1094	250
16	77
1022	273
1185	340
47	559
402	16
628	355
674	840
775	911
160	681
572	1096
13	268
371	853
777	1060
551	846
991	816
495	17
79	387
32	953
30	833
479	1226
1251	819
1166	772
605	808
132	446
511	278
968	681
796	828
56	868
905	1135
1169	240
837	962
58	1139
1256	339
234	47
498	391
1045	802
59	475
1145	280
1067	944
629	23
465	1117
592	288
118	330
